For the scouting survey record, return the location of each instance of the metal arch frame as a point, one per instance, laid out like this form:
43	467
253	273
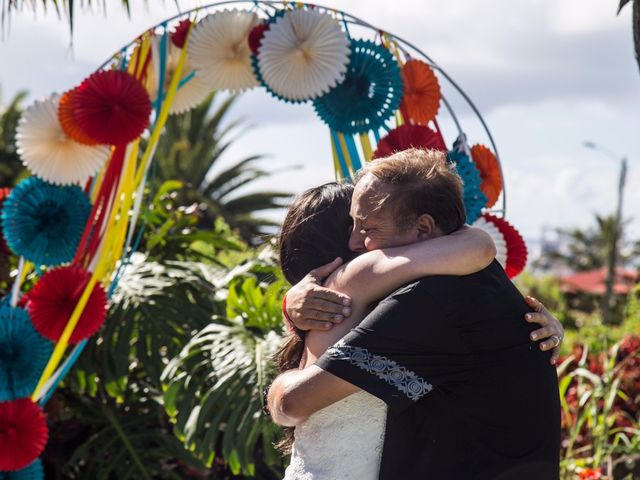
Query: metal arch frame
351	19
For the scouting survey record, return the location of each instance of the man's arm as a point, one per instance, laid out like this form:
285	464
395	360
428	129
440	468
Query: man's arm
296	394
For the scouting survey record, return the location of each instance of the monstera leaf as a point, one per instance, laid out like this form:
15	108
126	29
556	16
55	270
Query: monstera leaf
128	441
213	388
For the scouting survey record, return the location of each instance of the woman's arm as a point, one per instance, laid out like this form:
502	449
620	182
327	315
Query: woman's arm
377	273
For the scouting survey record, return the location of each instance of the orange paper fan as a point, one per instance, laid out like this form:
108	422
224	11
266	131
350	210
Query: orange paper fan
487	164
68	122
421	92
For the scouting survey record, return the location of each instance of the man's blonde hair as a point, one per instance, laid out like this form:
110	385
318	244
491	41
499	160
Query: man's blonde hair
424	183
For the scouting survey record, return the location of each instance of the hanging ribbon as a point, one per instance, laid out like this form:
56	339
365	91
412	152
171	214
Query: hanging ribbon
337	154
353	152
366	146
109	237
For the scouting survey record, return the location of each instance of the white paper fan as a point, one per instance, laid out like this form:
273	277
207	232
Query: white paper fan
303	55
498	239
219	50
47	151
189	95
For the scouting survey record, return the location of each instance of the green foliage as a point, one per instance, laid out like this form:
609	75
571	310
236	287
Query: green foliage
11	168
174	378
189	151
128	440
213	388
172	231
599	398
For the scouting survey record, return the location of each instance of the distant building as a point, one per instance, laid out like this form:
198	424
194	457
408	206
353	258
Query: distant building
593	282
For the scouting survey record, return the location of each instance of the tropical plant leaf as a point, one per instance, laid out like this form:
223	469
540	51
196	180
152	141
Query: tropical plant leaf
213	387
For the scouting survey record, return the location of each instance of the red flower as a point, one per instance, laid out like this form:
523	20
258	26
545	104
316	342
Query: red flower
589	474
23	433
629	345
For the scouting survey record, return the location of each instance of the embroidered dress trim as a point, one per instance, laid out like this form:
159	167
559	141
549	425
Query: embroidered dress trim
405	380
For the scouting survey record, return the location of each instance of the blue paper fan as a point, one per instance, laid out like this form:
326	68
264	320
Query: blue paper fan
23	353
35	471
369	94
474	199
44	222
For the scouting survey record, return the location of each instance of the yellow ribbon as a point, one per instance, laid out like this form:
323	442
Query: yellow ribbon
366	146
336	162
115	233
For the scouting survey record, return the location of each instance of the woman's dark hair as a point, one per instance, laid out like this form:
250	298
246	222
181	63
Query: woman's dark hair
315	231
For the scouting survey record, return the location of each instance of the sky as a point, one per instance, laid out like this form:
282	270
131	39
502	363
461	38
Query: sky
546	76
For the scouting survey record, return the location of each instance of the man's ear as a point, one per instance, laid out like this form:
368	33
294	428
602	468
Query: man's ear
426	226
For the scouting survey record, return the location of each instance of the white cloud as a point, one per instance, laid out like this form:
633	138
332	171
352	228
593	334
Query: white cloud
546	74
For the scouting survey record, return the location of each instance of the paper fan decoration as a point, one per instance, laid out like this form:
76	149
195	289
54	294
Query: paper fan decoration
421	92
23	354
23	433
303	54
68	121
516	246
35	471
54	297
369	94
179	34
474	199
4	249
112	107
256	35
44	222
189	95
496	236
49	153
407	136
219	50
489	168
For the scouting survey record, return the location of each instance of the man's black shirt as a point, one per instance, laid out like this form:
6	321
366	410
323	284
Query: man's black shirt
469	395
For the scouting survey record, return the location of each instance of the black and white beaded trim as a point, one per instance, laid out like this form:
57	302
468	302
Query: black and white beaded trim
405	380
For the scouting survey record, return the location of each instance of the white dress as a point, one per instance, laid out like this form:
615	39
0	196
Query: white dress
342	441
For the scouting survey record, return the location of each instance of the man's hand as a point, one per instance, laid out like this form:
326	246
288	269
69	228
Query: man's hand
551	330
310	306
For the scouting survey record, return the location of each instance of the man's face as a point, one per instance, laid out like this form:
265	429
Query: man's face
375	228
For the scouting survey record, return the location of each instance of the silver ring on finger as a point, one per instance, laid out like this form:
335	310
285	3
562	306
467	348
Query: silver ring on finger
557	340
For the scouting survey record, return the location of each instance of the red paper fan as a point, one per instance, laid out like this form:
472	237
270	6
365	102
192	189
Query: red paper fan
255	36
487	164
407	136
4	193
516	246
112	107
53	298
179	34
23	433
69	123
421	92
